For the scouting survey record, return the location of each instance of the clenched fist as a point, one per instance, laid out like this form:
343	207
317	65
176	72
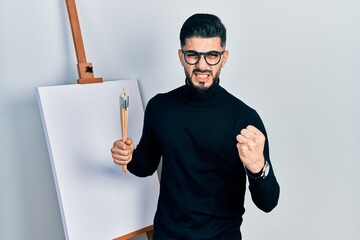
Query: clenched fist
122	151
250	146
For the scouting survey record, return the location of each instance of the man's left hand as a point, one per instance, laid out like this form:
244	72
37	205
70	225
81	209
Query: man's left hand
250	146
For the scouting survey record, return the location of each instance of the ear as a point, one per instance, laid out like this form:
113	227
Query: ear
181	57
224	58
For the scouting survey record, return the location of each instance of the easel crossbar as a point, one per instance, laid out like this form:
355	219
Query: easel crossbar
148	230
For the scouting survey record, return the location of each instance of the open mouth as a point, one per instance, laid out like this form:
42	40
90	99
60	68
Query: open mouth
202	75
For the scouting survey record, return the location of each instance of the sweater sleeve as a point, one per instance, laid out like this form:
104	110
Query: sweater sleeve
147	155
264	192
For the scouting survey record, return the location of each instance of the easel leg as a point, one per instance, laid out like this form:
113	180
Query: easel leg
149	235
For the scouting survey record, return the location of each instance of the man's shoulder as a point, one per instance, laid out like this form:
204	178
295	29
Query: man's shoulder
237	102
166	95
166	98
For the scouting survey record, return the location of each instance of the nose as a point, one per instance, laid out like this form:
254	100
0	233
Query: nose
202	64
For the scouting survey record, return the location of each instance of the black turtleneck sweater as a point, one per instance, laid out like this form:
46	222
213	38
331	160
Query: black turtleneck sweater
203	180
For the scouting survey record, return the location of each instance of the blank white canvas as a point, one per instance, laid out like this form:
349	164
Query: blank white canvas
81	122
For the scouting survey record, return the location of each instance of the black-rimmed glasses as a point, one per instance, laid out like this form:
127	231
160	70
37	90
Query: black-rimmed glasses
193	57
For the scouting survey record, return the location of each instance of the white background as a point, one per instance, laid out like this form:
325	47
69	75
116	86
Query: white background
296	62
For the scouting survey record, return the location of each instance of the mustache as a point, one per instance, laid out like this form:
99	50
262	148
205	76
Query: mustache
196	70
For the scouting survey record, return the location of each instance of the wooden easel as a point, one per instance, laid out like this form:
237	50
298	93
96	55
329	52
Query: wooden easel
86	75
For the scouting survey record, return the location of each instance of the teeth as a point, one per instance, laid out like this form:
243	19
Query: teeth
202	75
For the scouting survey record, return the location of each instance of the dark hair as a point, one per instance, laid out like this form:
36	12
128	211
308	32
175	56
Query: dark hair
203	25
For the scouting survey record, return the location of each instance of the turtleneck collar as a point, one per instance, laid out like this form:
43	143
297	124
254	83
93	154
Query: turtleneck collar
213	95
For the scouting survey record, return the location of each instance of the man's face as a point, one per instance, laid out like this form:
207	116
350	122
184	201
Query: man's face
202	75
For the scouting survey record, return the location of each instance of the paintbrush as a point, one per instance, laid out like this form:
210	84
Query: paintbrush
124	114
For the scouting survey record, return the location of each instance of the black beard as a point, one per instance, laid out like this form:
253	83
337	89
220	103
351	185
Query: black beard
201	91
204	90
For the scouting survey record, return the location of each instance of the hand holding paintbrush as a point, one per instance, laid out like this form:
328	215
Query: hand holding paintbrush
124	114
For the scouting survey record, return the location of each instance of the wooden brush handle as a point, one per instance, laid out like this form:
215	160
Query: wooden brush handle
124	125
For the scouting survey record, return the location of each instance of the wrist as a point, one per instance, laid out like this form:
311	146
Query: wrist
262	173
256	166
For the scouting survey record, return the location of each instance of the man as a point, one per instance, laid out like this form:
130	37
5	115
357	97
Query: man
209	142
